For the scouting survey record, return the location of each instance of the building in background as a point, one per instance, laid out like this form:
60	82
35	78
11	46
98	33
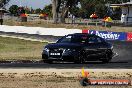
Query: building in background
126	16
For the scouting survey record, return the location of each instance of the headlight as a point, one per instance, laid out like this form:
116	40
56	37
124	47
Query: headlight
46	49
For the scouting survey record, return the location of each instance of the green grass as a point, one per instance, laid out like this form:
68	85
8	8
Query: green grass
16	49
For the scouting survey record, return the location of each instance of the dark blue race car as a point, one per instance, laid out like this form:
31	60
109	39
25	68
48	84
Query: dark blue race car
78	48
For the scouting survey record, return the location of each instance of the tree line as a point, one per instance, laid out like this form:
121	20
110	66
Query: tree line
15	10
59	9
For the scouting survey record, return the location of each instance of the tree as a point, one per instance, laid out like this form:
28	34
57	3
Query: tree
38	11
61	7
81	13
75	11
55	4
27	10
3	3
14	9
101	9
48	10
21	10
65	6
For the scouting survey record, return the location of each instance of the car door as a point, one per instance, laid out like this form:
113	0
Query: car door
94	48
102	47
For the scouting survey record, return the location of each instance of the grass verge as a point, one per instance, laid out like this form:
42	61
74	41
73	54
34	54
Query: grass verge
17	49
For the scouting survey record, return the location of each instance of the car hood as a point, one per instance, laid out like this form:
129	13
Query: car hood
63	45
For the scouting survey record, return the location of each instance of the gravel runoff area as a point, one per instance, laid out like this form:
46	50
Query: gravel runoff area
58	78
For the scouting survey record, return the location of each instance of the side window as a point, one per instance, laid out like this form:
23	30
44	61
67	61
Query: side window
79	39
92	40
65	39
99	40
96	40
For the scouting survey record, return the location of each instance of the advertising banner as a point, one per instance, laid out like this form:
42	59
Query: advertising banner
109	35
129	36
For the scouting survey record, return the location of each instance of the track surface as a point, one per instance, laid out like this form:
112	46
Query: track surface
122	61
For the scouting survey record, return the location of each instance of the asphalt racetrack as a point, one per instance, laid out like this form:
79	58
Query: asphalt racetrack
122	60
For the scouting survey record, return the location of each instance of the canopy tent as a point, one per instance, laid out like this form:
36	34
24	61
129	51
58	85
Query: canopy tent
93	15
108	19
43	15
23	15
3	10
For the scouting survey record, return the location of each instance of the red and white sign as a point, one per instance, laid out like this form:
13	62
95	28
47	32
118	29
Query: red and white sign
85	31
129	36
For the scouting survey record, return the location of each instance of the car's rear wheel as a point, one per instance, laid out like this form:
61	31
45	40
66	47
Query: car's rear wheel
107	59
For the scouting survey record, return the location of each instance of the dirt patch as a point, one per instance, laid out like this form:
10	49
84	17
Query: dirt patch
57	78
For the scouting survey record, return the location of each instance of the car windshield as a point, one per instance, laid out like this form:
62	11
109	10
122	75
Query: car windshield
83	39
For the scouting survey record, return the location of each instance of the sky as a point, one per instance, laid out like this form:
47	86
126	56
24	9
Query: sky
30	3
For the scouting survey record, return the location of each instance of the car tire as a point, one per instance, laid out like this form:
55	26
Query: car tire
80	60
107	59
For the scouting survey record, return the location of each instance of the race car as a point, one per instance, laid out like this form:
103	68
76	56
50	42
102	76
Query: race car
78	48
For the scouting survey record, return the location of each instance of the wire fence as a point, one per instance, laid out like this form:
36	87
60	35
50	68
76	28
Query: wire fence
79	21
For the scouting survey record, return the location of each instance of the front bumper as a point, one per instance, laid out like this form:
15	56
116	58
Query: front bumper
64	56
